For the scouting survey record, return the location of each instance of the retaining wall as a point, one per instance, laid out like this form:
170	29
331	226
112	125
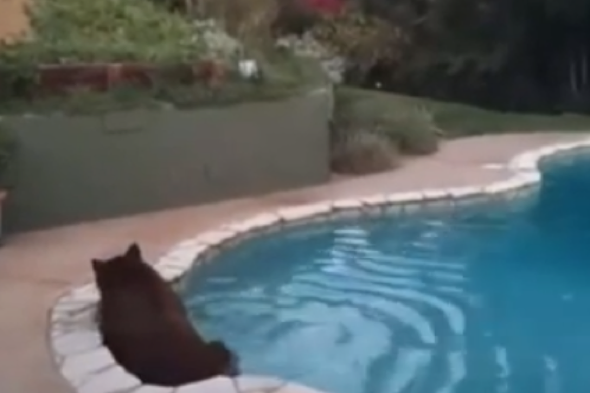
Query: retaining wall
72	169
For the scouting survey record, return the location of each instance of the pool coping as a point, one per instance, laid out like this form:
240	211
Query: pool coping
88	365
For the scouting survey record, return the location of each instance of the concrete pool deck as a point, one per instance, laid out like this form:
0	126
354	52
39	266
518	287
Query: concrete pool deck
37	267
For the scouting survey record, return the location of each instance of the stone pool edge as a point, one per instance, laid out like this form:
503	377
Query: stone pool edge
88	365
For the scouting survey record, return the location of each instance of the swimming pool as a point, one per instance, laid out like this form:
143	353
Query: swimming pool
485	299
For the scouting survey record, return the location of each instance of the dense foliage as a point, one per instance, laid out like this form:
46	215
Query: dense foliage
513	54
66	31
362	39
517	54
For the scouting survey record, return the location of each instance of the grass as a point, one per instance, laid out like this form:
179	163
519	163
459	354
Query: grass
457	120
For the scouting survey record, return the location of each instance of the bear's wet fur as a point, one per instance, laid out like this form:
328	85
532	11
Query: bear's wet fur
145	325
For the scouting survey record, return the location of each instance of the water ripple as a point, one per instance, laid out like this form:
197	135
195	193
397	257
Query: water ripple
393	307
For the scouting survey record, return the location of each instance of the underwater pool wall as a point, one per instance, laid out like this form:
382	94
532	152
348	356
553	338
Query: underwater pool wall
88	365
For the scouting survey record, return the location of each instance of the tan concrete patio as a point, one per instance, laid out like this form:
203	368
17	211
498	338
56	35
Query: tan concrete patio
36	267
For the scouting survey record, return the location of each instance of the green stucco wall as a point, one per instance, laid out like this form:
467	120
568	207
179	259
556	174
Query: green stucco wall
73	169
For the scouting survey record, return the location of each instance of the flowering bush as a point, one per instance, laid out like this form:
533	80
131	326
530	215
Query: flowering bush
250	20
216	41
70	31
360	39
307	46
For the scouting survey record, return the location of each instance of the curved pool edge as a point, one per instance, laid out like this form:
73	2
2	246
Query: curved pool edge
88	365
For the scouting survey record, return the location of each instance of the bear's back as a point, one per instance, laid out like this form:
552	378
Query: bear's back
158	345
145	325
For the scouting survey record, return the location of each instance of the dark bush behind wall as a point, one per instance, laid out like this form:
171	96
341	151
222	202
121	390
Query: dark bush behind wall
73	169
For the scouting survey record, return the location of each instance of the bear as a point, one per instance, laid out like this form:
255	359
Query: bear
146	327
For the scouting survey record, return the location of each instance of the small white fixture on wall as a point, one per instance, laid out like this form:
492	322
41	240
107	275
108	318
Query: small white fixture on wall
249	69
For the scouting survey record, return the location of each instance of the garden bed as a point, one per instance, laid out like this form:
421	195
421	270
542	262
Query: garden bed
138	49
99	88
59	79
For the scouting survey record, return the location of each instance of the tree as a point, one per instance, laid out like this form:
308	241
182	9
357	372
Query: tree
491	50
361	39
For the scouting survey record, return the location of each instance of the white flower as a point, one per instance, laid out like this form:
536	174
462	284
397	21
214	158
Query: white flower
308	46
216	41
248	68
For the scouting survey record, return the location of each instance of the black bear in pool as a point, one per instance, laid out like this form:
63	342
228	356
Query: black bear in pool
145	325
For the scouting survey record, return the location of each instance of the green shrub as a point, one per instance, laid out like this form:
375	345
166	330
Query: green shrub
363	152
413	129
250	20
78	31
361	39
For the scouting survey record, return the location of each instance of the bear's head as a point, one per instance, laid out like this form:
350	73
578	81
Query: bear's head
118	270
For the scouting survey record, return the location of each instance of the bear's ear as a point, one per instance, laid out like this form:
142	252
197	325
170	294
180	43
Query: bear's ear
97	264
133	252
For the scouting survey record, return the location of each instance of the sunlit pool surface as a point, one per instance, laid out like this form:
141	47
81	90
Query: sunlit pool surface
484	300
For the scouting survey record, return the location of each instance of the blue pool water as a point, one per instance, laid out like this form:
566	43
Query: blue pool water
483	300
